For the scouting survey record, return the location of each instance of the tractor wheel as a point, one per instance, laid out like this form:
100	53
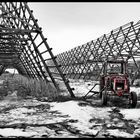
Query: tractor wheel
133	99
104	98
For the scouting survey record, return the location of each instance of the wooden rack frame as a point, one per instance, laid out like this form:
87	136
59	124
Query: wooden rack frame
22	39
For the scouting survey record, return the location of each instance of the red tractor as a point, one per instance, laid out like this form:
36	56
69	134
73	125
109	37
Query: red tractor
115	82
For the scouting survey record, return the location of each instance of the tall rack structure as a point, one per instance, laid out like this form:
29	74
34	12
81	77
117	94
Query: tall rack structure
24	47
86	61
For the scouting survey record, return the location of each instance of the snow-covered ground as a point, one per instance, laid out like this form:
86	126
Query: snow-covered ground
68	119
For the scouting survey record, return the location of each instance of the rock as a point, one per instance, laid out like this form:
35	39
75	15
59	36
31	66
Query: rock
93	132
83	104
73	121
115	109
11	97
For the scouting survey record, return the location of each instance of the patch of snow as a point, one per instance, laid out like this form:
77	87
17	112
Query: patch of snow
17	115
42	130
135	89
80	90
75	111
31	102
81	87
137	132
48	132
20	112
87	131
10	132
64	134
117	133
82	114
131	114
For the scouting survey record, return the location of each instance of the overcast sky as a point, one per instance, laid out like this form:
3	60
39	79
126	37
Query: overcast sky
70	24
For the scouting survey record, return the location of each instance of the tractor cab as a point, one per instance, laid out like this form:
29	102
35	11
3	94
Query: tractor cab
115	67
